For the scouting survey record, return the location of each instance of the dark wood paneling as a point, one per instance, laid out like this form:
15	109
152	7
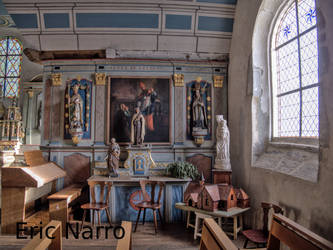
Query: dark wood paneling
204	165
77	167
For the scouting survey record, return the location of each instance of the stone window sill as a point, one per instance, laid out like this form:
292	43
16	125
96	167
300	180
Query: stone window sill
297	160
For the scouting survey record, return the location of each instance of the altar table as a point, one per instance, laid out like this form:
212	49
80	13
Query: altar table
126	191
235	213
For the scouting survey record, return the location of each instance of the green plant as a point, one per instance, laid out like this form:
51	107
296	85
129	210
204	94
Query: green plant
182	169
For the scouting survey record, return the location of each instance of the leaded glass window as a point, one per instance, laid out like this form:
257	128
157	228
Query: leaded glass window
10	69
295	71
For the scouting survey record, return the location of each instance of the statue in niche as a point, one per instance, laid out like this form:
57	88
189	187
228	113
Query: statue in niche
222	160
137	128
39	116
113	158
76	103
198	109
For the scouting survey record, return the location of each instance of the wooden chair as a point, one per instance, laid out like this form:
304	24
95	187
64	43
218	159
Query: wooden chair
260	237
97	206
149	201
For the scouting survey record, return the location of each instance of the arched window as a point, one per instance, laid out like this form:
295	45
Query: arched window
10	69
294	58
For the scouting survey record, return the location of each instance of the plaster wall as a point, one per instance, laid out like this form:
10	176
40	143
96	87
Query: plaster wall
308	203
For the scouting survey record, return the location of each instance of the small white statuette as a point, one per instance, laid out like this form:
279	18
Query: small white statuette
222	160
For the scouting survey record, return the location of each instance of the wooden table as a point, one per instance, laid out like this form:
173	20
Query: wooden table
233	213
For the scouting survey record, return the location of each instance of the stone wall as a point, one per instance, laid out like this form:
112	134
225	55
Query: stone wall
308	203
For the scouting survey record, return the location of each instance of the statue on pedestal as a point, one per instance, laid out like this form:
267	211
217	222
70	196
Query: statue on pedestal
199	114
199	110
222	160
113	158
76	104
137	128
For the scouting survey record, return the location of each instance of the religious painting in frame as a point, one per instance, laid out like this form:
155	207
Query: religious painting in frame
152	95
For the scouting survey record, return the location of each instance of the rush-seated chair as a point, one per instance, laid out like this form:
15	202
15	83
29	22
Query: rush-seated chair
257	236
149	201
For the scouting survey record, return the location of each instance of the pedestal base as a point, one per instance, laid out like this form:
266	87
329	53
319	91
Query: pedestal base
222	176
139	160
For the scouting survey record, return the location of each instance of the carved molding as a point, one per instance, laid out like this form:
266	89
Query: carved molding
100	78
218	81
178	80
56	79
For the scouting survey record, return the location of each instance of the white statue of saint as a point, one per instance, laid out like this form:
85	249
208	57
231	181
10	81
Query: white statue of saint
222	160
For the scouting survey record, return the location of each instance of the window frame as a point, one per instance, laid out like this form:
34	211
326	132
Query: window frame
274	27
3	89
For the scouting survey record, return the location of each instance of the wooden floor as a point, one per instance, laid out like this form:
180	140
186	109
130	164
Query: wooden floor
172	236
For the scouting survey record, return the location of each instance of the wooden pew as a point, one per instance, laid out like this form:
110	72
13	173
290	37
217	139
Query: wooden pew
213	237
126	242
59	204
282	230
294	236
38	243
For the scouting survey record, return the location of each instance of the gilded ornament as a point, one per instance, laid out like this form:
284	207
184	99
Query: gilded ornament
178	80
30	93
209	99
218	81
56	79
100	78
66	115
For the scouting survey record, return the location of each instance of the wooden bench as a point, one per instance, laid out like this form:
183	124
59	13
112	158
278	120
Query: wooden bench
59	204
282	230
53	229
126	242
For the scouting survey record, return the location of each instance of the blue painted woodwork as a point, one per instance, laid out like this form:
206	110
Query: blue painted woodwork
25	21
85	83
56	20
177	196
180	22
222	24
116	20
124	210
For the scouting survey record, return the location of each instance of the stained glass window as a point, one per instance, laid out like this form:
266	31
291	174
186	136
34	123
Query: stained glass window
10	69
295	72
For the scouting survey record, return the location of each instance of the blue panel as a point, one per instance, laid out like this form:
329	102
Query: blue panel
177	196
56	20
25	21
116	20
3	10
218	1
124	211
222	24
180	22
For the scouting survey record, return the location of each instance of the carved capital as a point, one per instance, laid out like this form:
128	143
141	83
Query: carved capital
178	80
56	79
30	93
100	78
218	81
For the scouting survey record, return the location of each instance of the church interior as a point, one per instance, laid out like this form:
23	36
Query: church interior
166	124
